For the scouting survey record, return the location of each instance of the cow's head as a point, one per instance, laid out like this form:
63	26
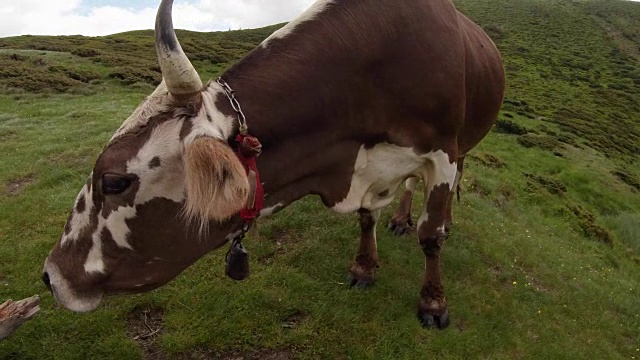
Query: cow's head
161	194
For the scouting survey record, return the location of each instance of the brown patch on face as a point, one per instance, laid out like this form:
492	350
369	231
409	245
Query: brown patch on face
161	250
81	205
217	185
187	126
71	257
155	162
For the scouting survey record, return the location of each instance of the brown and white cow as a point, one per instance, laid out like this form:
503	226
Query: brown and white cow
349	100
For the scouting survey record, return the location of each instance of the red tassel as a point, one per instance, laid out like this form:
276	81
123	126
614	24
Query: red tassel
248	149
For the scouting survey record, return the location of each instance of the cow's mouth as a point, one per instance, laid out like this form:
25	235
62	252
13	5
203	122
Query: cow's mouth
65	295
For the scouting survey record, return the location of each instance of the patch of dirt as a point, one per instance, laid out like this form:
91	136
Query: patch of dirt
461	325
505	194
252	355
258	355
290	321
626	45
496	271
8	134
144	325
14	187
535	284
281	239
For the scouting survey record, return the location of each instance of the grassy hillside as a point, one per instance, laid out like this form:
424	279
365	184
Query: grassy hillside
543	262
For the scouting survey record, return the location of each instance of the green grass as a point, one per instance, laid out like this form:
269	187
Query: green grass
543	261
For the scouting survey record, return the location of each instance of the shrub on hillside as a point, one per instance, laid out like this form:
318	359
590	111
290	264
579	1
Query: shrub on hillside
568	139
544	142
495	32
81	75
627	178
35	82
510	127
552	185
17	57
129	75
589	226
488	160
86	52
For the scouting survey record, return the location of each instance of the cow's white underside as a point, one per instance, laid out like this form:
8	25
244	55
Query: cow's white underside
379	172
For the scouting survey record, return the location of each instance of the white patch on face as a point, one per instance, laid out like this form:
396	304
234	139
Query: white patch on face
117	225
378	170
79	221
65	295
164	181
94	262
316	8
220	126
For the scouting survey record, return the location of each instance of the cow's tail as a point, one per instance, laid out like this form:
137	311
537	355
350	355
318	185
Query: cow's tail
460	166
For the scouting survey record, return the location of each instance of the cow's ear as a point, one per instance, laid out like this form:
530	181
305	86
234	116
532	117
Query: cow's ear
216	183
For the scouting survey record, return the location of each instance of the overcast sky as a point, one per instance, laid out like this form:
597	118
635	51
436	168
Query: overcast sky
104	17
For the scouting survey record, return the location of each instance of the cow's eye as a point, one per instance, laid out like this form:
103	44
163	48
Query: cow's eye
114	184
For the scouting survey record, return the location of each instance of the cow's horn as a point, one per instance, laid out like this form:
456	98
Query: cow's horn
179	74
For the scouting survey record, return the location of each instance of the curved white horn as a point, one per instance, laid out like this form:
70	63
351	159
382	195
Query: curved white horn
178	72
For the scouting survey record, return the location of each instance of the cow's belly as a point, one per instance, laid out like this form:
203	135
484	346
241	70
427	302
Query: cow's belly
378	172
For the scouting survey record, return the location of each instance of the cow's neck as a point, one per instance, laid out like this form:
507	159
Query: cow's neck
309	143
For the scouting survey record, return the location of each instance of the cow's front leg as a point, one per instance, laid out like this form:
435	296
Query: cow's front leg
400	222
362	273
432	310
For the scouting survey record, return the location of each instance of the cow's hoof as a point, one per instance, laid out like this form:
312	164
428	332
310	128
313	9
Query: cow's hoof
399	228
430	321
360	284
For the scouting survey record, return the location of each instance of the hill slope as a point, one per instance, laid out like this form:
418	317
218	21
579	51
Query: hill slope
544	260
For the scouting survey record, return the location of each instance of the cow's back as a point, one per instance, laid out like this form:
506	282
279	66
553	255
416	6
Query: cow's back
485	84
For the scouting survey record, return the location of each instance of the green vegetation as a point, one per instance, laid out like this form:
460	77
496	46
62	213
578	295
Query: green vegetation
543	261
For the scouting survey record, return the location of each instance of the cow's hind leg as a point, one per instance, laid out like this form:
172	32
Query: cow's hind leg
400	222
362	273
448	221
432	310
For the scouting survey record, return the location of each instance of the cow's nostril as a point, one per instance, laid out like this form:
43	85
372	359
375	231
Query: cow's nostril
47	281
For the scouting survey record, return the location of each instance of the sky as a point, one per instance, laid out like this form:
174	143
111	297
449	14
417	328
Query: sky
104	17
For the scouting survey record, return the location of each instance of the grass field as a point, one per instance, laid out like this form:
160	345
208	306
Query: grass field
543	261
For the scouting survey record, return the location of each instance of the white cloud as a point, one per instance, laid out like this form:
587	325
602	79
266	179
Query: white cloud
69	17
